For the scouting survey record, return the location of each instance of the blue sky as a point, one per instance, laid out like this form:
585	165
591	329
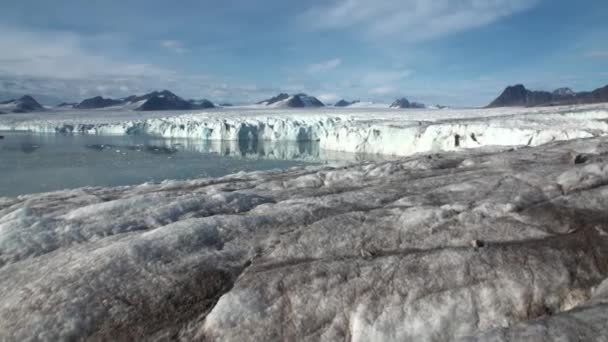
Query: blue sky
454	52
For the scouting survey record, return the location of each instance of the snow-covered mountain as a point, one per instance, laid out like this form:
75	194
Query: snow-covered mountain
404	103
284	100
564	92
98	102
154	101
164	100
519	96
24	104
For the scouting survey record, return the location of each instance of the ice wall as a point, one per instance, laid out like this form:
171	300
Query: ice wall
393	133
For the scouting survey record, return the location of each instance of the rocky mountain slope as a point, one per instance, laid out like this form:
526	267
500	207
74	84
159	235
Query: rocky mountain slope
24	104
154	101
518	95
284	100
344	103
404	103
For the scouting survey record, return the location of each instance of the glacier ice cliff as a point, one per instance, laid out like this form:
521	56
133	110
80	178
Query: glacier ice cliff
477	245
370	131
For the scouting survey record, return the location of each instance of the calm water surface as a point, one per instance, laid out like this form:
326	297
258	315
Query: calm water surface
31	163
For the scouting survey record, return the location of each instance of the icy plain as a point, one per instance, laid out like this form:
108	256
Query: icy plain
500	246
355	130
489	244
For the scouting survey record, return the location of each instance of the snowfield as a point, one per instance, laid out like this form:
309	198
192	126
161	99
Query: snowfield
356	130
475	245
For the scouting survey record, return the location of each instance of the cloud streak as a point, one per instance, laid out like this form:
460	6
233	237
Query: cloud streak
59	64
324	66
62	55
410	20
175	46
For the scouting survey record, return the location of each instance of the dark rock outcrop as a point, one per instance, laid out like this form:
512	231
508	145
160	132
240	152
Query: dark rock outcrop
564	92
156	100
98	102
293	101
164	100
519	96
344	103
24	104
404	103
275	99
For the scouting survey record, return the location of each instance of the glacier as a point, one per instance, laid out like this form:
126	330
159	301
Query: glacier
490	244
353	130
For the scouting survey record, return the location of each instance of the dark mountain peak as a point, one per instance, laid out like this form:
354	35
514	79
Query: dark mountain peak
518	95
344	103
294	101
97	102
275	99
401	103
28	104
564	92
405	103
164	101
309	101
23	104
166	93
29	99
518	87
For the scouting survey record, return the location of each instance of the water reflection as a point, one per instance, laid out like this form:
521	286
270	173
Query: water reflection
37	163
253	149
247	148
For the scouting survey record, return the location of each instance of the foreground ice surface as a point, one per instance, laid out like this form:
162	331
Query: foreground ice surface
356	130
472	246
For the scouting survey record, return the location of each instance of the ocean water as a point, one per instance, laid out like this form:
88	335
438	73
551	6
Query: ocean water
31	163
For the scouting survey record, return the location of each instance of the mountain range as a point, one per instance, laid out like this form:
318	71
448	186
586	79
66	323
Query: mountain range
285	100
344	103
519	96
23	104
404	103
516	95
156	100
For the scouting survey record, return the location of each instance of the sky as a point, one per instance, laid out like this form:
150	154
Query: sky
449	52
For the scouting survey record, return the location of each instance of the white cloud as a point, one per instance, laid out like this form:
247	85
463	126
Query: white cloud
61	55
411	20
60	65
385	76
174	46
324	66
385	91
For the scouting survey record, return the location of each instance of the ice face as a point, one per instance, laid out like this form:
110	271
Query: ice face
476	245
371	131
